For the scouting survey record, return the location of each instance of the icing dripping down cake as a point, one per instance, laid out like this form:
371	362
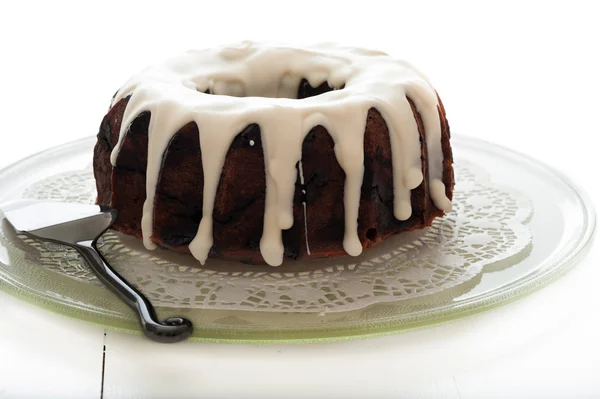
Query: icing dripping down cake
258	152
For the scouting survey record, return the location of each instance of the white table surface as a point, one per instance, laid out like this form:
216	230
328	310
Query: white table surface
523	74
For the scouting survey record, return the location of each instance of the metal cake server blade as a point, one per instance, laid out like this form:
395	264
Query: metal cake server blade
59	221
79	226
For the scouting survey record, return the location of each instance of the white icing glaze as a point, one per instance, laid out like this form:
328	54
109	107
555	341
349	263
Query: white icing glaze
258	83
301	173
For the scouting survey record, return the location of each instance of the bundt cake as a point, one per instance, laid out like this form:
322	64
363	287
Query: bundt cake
258	152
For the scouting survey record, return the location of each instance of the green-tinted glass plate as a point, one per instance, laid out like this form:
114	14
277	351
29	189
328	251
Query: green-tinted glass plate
507	236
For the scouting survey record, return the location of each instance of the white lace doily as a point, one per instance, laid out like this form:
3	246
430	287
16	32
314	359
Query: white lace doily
486	226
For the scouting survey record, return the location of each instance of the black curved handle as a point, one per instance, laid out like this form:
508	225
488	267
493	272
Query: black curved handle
171	330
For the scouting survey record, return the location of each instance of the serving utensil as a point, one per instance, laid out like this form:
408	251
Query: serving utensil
79	226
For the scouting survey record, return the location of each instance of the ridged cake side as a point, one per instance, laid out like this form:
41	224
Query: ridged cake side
240	199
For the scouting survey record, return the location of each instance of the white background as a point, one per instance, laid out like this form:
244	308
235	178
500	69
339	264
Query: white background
522	74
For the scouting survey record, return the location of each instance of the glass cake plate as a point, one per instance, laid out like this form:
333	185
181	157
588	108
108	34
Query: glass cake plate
516	226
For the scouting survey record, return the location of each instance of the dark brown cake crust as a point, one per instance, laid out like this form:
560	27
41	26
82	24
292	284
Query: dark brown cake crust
240	199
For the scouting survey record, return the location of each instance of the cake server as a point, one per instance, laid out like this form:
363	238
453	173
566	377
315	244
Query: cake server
79	226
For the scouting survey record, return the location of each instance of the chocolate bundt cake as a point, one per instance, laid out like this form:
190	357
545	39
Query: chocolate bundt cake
257	153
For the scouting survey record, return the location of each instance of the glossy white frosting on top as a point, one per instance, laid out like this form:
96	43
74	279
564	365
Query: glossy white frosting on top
258	83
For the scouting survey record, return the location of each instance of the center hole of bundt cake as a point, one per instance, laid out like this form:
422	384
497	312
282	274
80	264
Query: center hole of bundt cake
305	90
